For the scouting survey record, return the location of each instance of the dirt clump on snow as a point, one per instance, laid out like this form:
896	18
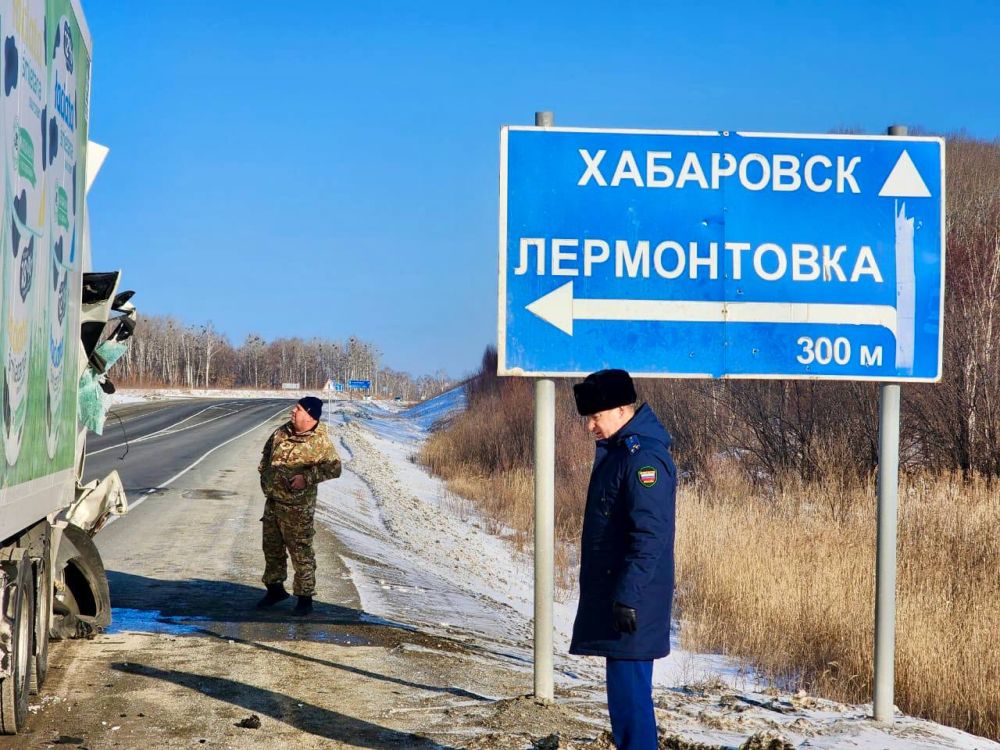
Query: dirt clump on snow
674	742
525	710
524	723
554	741
767	741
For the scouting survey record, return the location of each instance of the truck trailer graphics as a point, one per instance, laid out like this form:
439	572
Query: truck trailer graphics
45	72
53	313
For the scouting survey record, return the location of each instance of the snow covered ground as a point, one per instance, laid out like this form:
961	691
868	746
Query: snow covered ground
421	556
123	397
134	395
468	581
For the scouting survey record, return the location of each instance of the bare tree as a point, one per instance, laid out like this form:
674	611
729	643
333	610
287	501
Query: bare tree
167	352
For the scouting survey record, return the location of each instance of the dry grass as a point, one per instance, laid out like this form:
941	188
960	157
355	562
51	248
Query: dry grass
787	582
782	579
486	454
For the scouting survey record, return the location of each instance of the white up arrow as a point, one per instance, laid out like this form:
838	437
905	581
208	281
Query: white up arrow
904	181
559	308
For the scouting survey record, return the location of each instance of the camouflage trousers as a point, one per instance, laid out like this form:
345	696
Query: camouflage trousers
288	532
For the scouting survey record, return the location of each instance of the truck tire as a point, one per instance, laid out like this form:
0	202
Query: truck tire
20	596
43	620
83	605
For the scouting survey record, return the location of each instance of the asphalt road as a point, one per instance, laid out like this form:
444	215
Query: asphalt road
188	655
189	660
189	546
149	444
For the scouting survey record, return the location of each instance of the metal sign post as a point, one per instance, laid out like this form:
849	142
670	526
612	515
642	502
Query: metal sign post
545	446
545	483
885	555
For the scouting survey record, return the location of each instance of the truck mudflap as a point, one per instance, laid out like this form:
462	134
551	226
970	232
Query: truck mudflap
82	602
96	502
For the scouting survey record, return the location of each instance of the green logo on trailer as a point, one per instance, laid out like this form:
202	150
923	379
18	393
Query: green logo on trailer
24	152
62	208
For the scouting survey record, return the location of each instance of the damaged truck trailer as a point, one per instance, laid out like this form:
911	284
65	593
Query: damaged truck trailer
54	348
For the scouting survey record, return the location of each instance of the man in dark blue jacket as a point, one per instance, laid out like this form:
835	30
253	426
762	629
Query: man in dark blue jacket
627	551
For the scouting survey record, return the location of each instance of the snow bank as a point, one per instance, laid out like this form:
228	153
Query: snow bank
427	413
420	555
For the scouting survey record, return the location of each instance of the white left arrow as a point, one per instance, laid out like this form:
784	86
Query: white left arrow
560	309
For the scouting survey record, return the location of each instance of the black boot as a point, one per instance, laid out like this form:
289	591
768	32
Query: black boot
275	593
303	607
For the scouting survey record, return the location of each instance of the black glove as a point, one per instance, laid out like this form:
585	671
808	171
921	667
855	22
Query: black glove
624	618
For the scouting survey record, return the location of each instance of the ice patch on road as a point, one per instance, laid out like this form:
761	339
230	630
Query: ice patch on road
125	620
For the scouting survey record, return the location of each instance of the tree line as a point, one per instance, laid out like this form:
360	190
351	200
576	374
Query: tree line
166	352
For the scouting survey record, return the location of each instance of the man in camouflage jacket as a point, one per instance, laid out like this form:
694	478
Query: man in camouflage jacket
296	458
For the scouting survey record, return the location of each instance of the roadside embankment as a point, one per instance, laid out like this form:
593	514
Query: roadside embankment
778	570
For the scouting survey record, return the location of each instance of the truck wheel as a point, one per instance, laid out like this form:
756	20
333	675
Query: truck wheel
20	598
43	621
84	601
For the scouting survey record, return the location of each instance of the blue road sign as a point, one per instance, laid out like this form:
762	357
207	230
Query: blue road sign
338	386
718	254
362	384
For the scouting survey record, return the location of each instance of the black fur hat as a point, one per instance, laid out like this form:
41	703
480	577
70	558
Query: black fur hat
604	389
313	406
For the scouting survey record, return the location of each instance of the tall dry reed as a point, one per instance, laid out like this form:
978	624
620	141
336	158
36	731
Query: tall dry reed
486	453
786	581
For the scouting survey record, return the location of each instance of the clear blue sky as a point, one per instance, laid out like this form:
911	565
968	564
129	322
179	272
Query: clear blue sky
330	168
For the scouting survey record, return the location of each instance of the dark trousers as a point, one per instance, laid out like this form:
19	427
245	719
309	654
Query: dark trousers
630	704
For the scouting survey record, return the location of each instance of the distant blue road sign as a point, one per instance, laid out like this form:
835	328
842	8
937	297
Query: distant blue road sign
363	384
338	386
717	254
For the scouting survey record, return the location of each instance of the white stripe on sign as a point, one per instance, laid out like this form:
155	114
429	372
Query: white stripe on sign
560	309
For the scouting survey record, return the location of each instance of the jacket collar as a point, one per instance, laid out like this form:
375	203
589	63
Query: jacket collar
308	433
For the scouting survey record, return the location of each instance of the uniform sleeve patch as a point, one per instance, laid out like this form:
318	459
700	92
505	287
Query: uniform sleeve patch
647	476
